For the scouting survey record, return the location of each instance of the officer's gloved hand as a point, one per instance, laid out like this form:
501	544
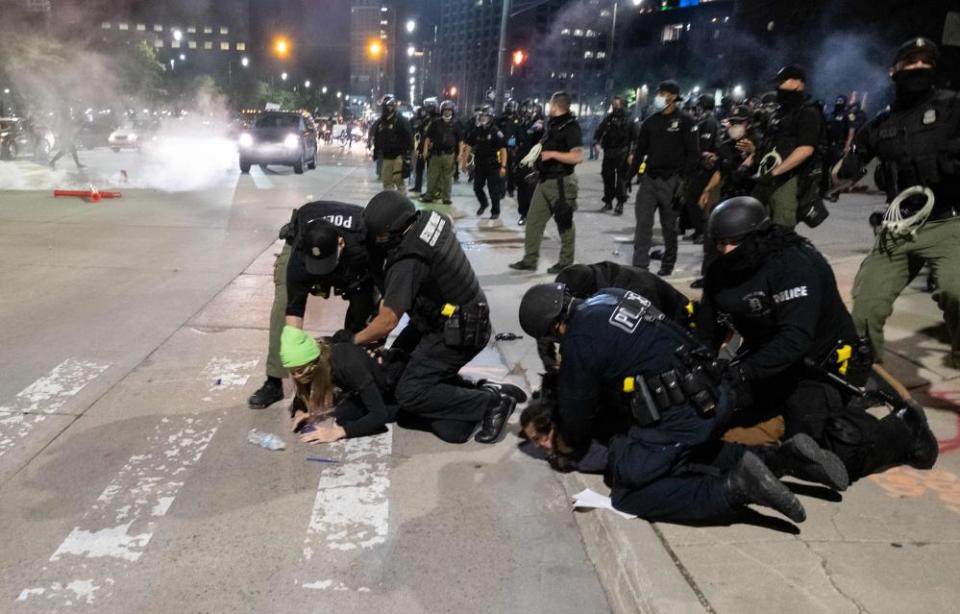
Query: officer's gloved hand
735	379
342	336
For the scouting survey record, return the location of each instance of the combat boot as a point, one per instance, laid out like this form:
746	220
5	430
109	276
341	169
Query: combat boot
924	449
752	482
504	388
801	457
266	395
494	423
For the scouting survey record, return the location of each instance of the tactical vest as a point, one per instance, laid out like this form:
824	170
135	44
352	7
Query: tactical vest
914	148
616	134
389	141
451	280
783	137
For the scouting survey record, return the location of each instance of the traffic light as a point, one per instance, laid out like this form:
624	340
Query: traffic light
519	57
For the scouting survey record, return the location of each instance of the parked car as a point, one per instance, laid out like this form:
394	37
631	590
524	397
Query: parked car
18	139
134	134
287	138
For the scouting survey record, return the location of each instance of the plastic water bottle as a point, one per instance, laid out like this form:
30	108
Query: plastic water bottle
265	440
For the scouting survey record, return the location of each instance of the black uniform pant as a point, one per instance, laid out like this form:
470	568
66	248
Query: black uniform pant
418	174
511	179
489	177
427	392
525	191
614	172
864	443
656	195
363	303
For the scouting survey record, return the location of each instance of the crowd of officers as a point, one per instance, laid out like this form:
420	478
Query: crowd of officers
691	410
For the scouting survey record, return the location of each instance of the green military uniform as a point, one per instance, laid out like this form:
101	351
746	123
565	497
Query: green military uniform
278	313
444	136
440	176
391	173
783	204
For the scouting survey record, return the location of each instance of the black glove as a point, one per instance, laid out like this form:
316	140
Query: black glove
736	380
342	336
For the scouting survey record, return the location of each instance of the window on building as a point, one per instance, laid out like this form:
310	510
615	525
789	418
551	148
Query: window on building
588	54
208	44
591	34
192	44
141	27
224	30
671	33
123	26
224	46
208	29
565	32
578	32
601	55
105	25
158	43
604	13
241	46
191	29
157	28
175	44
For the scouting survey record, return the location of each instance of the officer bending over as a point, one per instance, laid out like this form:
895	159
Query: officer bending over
619	354
325	251
428	276
779	293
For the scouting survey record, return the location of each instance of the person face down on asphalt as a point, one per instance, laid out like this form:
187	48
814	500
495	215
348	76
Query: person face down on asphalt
779	293
621	361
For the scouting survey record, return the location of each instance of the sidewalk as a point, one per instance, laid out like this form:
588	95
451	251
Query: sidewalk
889	544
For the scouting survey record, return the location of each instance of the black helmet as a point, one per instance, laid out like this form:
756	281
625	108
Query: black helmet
448	105
485	111
387	215
540	307
388	104
510	107
737	217
431	104
707	102
916	49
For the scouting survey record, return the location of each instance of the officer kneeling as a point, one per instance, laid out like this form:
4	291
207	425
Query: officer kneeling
800	357
670	464
429	277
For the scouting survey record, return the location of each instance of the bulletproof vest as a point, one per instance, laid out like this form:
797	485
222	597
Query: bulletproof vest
617	132
447	143
451	280
914	147
486	145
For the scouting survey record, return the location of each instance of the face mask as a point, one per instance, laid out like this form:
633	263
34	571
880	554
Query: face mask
448	116
838	108
790	98
736	131
660	103
911	85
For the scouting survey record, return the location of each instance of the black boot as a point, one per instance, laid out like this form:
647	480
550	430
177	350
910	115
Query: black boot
606	207
752	482
618	210
494	423
801	457
267	395
924	448
504	388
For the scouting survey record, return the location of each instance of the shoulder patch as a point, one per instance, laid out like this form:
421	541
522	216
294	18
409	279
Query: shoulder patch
629	312
434	227
929	117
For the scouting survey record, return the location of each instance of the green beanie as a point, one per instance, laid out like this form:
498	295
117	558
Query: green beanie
297	348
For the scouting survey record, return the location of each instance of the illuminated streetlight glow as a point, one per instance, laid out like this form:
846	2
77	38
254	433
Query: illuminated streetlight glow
283	76
177	35
306	83
183	57
281	47
411	50
338	94
413	70
413	80
375	49
323	90
519	57
411	26
245	61
453	90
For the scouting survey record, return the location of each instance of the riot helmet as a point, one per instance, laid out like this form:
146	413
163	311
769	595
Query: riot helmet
387	216
510	107
541	308
484	115
448	109
735	218
388	105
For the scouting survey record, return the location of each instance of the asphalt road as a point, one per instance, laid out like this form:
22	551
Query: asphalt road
133	330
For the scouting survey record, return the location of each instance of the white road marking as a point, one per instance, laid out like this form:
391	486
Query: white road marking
116	530
261	181
15	428
49	393
351	511
222	372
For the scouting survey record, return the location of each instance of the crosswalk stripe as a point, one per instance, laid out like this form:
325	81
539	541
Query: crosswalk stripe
51	392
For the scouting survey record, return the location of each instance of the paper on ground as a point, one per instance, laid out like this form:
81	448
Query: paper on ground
587	498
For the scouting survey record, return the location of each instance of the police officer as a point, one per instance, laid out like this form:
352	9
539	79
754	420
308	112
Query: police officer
614	135
838	129
510	124
779	293
393	142
556	192
710	134
485	143
531	133
667	140
440	150
421	123
325	252
792	148
617	342
428	276
915	142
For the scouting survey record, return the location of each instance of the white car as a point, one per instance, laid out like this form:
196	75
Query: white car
133	134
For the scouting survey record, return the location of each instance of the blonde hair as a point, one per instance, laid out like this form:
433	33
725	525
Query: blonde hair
314	383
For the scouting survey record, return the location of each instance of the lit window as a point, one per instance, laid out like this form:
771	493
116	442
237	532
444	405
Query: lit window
601	55
141	27
207	30
241	46
224	46
578	32
192	44
671	33
588	54
208	44
591	34
384	22
158	43
224	30
565	31
157	28
124	26
105	25
191	29
604	13
175	44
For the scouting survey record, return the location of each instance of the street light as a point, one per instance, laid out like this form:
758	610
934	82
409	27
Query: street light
519	57
413	70
283	76
6	90
411	26
338	94
374	49
306	83
281	47
183	57
323	90
177	35
411	50
245	61
453	90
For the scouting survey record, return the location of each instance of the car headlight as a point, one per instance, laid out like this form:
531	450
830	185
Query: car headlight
245	140
291	142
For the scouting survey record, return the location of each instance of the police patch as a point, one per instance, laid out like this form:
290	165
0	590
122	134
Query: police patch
929	116
629	312
431	232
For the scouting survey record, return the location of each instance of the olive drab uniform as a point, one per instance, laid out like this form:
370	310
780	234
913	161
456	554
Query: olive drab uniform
444	137
393	142
450	313
916	145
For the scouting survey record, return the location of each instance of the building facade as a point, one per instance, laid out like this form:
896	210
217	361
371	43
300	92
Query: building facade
373	46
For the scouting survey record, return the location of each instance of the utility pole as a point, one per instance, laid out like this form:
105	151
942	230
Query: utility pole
502	56
613	33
